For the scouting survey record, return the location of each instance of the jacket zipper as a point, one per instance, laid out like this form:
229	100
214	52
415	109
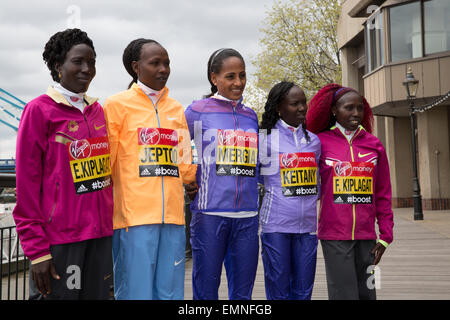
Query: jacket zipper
237	177
155	106
294	134
98	193
353	205
52	212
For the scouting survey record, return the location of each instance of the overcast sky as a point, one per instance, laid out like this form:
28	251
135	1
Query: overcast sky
189	30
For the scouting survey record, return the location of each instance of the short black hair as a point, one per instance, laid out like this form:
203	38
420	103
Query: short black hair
59	44
133	53
215	63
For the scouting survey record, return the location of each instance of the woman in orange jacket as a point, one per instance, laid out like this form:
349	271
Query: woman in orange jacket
150	161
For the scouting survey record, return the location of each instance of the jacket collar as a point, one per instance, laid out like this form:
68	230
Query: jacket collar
283	126
59	98
228	101
164	92
360	131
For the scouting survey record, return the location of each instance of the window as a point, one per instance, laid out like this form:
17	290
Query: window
374	41
437	26
406	31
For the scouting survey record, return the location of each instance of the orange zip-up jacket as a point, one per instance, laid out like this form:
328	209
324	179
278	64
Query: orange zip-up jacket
150	158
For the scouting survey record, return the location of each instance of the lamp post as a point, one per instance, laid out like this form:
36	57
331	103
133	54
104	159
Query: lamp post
411	85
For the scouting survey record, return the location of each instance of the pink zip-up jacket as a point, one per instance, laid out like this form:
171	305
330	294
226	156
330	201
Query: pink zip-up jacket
64	192
365	157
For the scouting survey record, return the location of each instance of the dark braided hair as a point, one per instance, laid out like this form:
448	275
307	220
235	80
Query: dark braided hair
133	53
59	44
215	63
276	95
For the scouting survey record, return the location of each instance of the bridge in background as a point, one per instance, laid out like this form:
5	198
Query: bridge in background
11	109
7	165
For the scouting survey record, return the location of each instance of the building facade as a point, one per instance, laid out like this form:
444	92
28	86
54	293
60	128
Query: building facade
379	41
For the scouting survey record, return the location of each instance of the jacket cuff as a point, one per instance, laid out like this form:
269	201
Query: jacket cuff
41	259
384	243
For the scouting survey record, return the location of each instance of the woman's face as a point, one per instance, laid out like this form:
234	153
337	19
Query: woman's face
349	110
78	68
153	66
293	107
231	79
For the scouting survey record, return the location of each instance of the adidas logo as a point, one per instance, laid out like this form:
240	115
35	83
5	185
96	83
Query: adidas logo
82	188
287	192
145	172
221	170
339	200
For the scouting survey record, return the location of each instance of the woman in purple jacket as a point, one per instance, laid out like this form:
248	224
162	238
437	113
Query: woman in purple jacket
64	197
224	226
288	214
356	191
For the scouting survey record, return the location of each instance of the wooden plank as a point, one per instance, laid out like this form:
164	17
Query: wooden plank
415	266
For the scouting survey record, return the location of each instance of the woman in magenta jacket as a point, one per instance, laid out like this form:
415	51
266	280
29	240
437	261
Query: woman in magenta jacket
64	197
356	191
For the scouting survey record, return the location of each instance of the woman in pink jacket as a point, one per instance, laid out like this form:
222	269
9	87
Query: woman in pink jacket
64	204
356	191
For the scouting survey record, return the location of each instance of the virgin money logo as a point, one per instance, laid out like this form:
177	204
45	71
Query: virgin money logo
343	169
149	136
80	149
289	160
227	137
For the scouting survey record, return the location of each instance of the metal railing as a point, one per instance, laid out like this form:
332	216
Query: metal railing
13	266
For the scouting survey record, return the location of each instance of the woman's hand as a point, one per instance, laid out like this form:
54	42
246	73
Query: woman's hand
191	189
41	272
378	251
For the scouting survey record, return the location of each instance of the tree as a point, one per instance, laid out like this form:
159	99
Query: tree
300	45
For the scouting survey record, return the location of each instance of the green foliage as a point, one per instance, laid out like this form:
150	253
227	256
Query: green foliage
300	45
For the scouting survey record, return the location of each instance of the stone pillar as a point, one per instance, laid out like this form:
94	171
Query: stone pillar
398	149
434	157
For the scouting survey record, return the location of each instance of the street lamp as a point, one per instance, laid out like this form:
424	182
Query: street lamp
411	85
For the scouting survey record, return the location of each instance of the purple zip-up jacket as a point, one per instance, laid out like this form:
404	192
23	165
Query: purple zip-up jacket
221	193
49	211
354	221
279	212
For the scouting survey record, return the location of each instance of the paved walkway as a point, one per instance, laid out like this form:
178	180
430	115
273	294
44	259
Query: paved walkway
415	266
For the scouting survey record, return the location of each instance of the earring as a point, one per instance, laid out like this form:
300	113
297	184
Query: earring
59	75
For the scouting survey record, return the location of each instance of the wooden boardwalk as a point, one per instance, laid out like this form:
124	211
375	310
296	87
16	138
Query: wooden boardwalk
416	266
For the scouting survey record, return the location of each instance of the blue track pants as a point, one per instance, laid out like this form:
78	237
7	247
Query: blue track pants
216	240
149	262
289	265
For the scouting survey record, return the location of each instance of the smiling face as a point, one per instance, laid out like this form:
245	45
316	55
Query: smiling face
153	66
349	110
78	68
231	79
293	107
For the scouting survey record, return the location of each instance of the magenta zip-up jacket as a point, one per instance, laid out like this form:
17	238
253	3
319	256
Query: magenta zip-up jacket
64	192
356	187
